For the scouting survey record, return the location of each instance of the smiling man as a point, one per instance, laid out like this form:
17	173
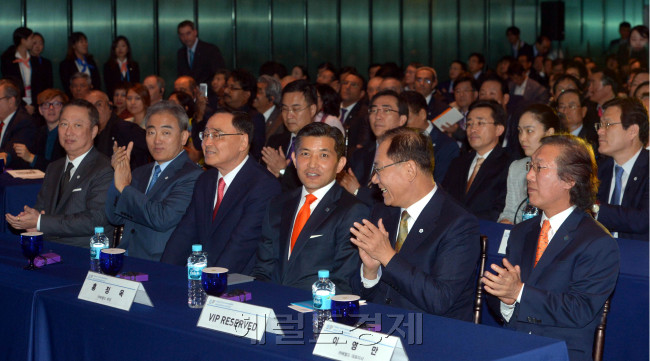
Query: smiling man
229	200
308	229
151	200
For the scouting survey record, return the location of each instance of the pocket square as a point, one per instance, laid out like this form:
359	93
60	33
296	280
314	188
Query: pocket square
315	235
76	190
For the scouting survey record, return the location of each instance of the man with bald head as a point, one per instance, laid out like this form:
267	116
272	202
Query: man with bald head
426	81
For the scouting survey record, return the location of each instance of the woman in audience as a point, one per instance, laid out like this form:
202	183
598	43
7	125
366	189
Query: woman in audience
119	101
78	60
536	122
299	72
137	102
15	64
120	67
217	87
329	103
46	145
636	48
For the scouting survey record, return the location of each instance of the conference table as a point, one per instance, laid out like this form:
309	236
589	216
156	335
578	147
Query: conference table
627	332
48	322
15	193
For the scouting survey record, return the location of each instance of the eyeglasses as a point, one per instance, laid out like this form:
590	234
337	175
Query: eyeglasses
605	125
54	105
562	108
375	172
479	124
214	135
374	111
294	110
5	97
536	167
424	80
232	88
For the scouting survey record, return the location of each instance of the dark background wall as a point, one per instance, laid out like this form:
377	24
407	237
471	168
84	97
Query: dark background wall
308	32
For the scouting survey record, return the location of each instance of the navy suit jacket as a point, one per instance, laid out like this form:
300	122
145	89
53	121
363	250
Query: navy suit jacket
487	195
435	106
630	219
358	127
21	129
230	240
289	181
150	218
564	294
435	270
323	243
207	60
444	151
361	165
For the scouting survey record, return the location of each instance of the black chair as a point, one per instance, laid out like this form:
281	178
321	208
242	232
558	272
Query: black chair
478	297
599	336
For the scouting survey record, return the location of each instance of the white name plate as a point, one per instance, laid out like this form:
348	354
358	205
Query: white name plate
345	343
112	291
238	318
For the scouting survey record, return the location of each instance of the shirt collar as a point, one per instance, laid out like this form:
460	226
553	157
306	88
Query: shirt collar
268	112
320	192
76	161
627	166
165	164
577	131
429	129
349	108
416	208
233	173
557	220
193	48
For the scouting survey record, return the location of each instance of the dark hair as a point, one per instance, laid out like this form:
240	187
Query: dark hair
410	144
572	91
303	69
516	69
632	112
466	79
541	38
576	163
20	34
93	114
302	86
247	82
187	102
273	91
645	83
39	35
462	64
185	23
528	57
112	59
354	72
171	108
509	58
390	70
73	39
641	29
479	56
513	30
545	115
415	64
319	129
563	77
498	113
272	68
414	100
609	78
330	98
243	123
624	24
582	69
142	92
402	107
496	78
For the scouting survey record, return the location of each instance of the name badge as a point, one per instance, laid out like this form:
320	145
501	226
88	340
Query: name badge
239	319
113	292
346	343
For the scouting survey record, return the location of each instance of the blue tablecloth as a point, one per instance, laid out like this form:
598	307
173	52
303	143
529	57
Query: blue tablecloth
58	326
627	331
15	193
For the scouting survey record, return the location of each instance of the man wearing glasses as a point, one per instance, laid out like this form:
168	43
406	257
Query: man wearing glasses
623	192
425	84
419	249
229	200
477	179
16	125
572	112
560	266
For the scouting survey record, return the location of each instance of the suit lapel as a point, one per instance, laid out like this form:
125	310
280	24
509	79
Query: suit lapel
78	177
634	181
424	225
175	165
236	191
289	211
529	250
483	171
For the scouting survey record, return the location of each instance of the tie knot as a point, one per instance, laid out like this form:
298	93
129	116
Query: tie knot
546	226
69	167
405	216
221	183
619	170
310	198
479	161
156	169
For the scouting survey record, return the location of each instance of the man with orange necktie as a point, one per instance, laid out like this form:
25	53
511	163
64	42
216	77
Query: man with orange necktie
561	266
308	229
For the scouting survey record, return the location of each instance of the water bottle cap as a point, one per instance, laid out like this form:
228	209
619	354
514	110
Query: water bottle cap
99	229
197	248
323	273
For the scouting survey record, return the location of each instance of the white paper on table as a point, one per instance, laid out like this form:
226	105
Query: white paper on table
448	118
27	173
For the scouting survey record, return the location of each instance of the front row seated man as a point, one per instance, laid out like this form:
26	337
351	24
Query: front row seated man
420	248
71	201
151	201
561	266
308	229
229	201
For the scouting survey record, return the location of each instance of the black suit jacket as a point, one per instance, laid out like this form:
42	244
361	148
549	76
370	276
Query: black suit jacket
41	78
487	195
630	219
113	75
118	129
275	123
435	107
207	60
435	270
289	180
68	68
323	243
445	150
361	164
358	127
39	149
21	129
589	133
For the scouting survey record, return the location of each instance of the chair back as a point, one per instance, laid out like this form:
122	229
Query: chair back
599	336
478	297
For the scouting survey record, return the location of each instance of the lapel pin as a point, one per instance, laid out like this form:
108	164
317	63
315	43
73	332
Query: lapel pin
634	178
166	177
566	238
421	230
327	209
78	176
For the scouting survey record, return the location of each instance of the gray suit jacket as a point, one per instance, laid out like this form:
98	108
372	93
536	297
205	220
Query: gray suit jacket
81	207
149	219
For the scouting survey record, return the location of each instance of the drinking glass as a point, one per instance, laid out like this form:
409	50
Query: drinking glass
111	260
215	280
31	244
345	309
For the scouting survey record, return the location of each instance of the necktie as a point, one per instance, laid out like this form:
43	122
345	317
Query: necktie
24	61
191	58
479	161
123	69
600	111
542	242
154	178
290	150
2	125
403	231
301	218
343	111
220	189
66	179
616	195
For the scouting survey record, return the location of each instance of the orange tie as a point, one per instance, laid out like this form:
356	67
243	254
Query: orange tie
24	61
479	161
301	218
542	242
123	68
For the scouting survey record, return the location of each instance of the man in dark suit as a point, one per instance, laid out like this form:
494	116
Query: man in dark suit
267	102
196	58
308	229
229	200
623	193
522	84
71	201
518	46
354	112
561	266
115	129
426	81
151	201
16	125
477	179
420	248
572	112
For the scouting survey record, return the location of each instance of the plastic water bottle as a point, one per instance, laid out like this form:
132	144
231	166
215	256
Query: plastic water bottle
97	242
195	265
322	292
529	212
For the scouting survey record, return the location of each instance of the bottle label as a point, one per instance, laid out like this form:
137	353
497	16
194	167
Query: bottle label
322	300
194	271
96	249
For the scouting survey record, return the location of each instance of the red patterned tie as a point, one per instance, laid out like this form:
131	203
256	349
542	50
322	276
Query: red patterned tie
542	242
220	188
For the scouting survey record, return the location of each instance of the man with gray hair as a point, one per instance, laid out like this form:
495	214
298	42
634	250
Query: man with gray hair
267	101
156	86
151	200
80	85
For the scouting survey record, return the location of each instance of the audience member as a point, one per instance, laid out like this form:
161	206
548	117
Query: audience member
196	58
16	65
137	102
267	102
120	66
41	68
603	87
119	101
476	65
299	72
517	45
465	93
572	114
217	88
354	112
522	85
16	125
446	88
426	81
78	60
156	87
80	85
328	102
408	83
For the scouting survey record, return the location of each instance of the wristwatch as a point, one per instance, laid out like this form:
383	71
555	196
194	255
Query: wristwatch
595	208
281	171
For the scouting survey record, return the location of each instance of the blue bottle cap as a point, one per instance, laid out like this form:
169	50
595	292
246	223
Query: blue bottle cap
197	248
323	273
99	229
